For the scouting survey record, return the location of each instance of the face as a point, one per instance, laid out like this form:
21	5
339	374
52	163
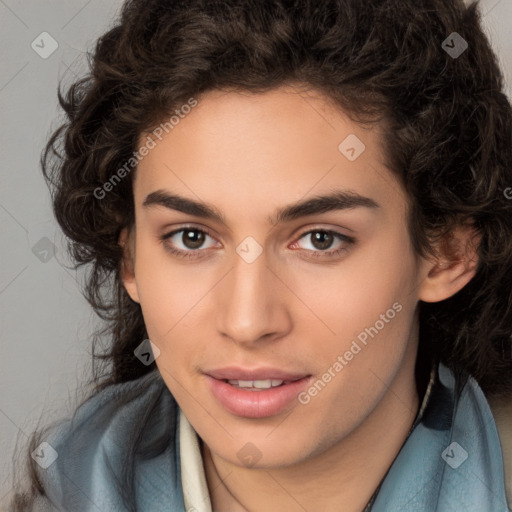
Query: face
317	302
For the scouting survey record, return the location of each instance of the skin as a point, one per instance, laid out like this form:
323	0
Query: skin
248	155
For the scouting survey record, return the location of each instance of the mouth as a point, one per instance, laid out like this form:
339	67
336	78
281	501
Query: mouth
256	393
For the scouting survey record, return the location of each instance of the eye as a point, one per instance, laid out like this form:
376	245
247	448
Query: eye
185	242
321	240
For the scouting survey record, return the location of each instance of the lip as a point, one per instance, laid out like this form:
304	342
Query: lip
262	373
256	404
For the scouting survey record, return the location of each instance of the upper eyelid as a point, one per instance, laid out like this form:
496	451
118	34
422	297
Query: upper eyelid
173	232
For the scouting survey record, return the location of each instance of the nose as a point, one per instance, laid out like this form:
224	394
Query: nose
252	303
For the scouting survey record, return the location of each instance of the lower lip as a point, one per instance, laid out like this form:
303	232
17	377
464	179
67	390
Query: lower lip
256	404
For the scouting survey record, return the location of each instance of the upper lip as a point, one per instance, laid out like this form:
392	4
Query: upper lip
236	373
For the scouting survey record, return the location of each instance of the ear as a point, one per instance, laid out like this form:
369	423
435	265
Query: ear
455	265
127	242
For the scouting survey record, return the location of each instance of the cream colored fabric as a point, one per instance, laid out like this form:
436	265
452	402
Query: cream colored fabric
193	478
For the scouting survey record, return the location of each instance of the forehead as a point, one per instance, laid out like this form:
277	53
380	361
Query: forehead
265	149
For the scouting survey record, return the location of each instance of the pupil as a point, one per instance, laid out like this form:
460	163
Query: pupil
193	241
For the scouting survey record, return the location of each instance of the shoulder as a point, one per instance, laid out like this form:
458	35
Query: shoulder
452	459
502	411
479	430
117	445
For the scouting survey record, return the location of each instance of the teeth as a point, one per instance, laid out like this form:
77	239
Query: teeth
256	384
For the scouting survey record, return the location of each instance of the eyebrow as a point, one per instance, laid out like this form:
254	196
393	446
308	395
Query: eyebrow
337	200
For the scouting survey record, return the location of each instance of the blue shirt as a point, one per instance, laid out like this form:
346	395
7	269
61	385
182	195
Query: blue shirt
450	462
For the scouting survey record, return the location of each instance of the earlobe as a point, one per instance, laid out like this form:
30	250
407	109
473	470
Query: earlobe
455	266
128	265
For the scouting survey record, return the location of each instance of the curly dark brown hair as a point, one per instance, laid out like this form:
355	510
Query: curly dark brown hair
448	136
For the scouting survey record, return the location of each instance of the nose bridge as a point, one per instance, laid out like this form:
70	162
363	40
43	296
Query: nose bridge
252	305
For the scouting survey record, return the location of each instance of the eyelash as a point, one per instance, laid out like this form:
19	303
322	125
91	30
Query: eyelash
315	254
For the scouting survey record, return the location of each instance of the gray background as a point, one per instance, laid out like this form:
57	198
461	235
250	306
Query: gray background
46	323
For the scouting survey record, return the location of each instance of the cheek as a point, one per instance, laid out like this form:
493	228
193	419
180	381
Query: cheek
161	292
351	296
172	298
165	290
